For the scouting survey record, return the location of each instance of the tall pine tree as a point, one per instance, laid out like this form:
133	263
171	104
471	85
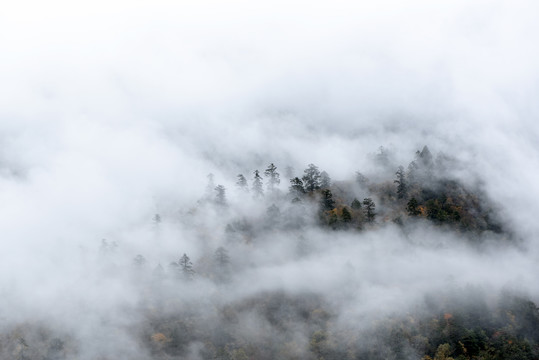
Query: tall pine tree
258	191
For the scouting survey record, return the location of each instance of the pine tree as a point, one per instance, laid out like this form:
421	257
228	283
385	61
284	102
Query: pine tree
221	257
346	216
296	189
220	196
273	177
241	183
425	157
185	267
327	203
401	183
369	209
311	179
356	204
258	191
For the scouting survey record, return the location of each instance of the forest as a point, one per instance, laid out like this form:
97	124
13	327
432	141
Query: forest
256	180
284	271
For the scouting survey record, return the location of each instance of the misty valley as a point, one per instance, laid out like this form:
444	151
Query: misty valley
398	262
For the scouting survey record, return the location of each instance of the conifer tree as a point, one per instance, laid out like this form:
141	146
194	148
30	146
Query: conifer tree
346	215
241	183
401	183
220	195
369	209
273	177
311	179
296	189
356	204
327	203
185	267
258	191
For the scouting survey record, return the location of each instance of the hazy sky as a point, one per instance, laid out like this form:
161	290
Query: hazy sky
113	110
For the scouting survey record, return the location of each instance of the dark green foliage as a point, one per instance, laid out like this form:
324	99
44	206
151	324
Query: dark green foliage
296	189
401	183
449	202
413	207
346	216
228	325
457	324
326	202
333	220
311	179
356	204
369	209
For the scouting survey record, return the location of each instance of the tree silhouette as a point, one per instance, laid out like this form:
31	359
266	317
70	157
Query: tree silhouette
258	191
401	183
241	183
311	179
346	216
184	268
220	195
326	202
369	209
296	189
273	177
413	207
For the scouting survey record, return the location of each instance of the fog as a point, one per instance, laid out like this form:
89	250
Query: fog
112	112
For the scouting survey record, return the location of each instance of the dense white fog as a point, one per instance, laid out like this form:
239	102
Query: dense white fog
114	111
